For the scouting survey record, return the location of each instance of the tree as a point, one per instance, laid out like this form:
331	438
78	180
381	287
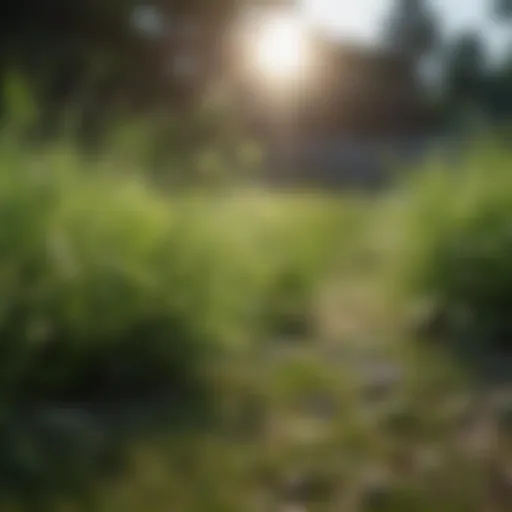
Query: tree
411	30
465	66
89	51
466	76
498	98
502	9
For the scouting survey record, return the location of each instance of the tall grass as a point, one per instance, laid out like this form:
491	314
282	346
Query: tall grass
455	246
115	294
100	268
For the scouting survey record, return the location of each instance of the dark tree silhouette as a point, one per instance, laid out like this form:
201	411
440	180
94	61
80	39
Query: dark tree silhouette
138	54
411	29
465	66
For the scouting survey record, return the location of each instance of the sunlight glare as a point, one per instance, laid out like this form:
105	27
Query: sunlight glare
280	48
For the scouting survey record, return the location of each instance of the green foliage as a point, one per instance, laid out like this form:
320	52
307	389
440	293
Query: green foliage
94	263
456	245
124	306
114	297
365	421
305	244
86	278
20	109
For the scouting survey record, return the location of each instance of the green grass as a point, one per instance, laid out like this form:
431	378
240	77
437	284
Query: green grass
114	294
286	315
93	264
455	247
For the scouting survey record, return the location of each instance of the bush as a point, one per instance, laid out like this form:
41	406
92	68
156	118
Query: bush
108	285
88	305
303	241
114	296
108	289
457	246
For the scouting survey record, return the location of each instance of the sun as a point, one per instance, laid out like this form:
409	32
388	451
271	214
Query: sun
280	49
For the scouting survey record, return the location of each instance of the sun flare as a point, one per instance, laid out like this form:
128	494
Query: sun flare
280	48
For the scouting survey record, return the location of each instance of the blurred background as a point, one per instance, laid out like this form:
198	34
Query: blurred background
398	74
255	256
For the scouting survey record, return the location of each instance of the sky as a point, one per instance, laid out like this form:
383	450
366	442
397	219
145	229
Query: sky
362	19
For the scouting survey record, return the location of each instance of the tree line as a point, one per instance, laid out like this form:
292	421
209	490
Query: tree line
159	55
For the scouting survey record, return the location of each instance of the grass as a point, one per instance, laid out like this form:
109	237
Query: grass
455	243
115	295
287	315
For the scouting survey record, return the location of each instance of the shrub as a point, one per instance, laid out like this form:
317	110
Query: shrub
84	309
457	246
114	296
304	241
109	289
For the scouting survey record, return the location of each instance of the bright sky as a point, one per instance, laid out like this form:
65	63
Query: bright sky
361	19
